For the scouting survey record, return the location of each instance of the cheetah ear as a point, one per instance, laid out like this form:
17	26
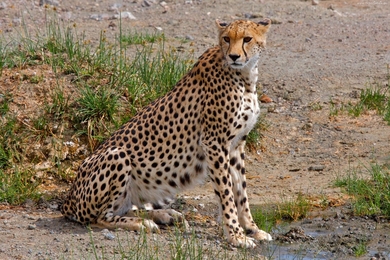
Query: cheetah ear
221	25
266	24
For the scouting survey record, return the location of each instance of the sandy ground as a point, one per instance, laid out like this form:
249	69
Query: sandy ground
315	54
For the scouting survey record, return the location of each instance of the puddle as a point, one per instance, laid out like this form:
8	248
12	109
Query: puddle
331	234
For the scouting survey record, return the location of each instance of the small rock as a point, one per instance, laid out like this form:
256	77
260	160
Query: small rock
49	2
96	17
314	2
3	5
189	38
115	7
16	21
253	16
107	234
31	227
146	3
307	127
124	15
112	25
265	99
316	168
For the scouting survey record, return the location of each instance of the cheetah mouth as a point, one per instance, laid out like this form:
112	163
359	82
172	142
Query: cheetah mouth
236	65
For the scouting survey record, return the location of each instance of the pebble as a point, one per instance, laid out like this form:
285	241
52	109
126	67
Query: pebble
31	227
253	16
124	15
115	7
49	2
107	234
189	38
3	5
99	17
146	3
316	168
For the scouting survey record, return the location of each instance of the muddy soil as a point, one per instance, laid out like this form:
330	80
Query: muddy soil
316	53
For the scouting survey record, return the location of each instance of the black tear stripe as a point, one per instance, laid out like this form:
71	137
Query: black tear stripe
246	57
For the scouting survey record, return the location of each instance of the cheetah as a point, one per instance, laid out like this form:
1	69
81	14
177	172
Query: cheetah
196	130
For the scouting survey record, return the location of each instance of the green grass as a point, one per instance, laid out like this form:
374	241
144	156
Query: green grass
293	209
18	185
175	245
96	88
289	209
370	191
135	37
59	105
5	100
360	249
375	97
9	141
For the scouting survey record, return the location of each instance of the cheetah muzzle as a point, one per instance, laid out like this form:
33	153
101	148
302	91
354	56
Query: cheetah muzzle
197	129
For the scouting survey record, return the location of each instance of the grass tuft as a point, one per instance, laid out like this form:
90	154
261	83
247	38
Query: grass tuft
18	185
290	209
375	97
371	194
360	249
295	208
5	100
135	37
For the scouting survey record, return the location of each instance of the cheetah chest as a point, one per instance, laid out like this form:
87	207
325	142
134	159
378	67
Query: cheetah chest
249	110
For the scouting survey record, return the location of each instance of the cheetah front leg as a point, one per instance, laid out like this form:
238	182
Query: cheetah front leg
223	188
237	172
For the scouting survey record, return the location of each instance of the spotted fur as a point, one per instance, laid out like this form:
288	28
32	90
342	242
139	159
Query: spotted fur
196	129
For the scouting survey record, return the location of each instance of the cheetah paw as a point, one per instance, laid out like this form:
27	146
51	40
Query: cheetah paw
168	217
243	241
261	235
149	226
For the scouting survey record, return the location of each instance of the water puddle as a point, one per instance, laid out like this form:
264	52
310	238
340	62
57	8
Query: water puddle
331	234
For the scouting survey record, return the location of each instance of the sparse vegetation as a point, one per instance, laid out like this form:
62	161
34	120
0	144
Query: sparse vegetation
255	135
5	99
178	246
376	97
360	249
141	37
290	209
370	190
18	185
94	90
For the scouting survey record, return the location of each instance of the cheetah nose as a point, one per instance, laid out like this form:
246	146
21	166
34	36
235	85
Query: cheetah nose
234	57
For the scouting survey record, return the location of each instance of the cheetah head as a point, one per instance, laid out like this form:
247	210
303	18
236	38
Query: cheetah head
242	41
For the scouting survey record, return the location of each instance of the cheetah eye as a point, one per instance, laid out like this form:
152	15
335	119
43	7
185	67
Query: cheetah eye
247	39
226	39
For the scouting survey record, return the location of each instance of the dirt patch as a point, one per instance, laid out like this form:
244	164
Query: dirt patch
316	53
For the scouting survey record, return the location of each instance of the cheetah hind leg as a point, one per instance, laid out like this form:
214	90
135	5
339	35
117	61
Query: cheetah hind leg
168	217
128	223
